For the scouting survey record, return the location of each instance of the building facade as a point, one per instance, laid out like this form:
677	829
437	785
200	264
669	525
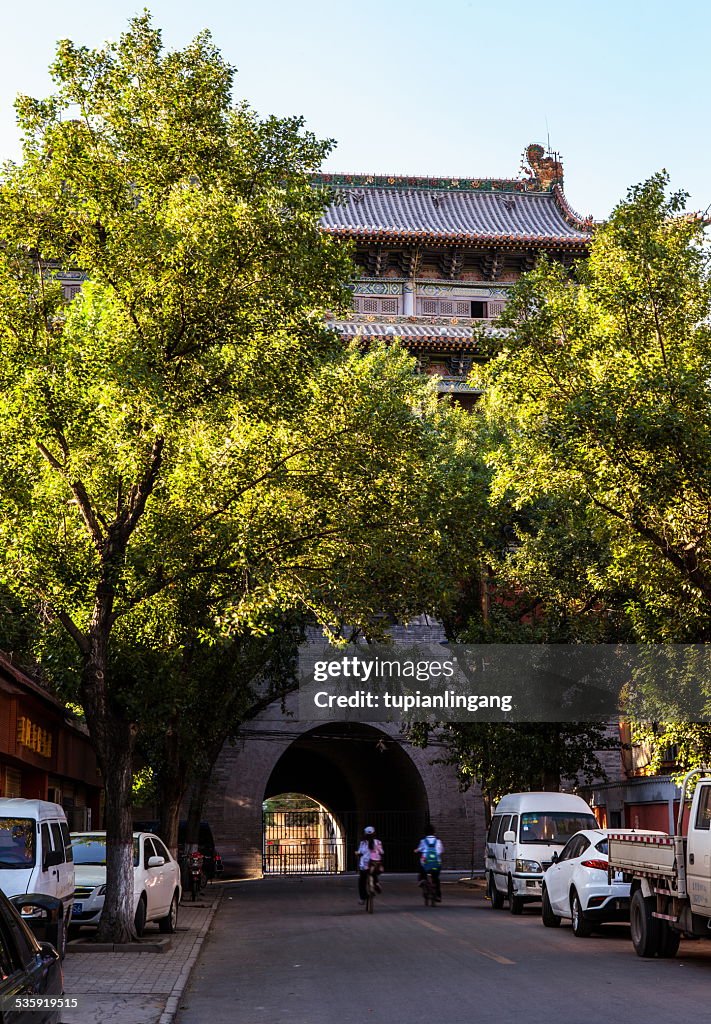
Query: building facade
45	753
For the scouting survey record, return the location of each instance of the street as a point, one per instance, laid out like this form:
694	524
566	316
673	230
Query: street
301	951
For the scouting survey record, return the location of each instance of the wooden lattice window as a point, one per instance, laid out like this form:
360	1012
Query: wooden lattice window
370	305
389	305
462	308
446	308
429	306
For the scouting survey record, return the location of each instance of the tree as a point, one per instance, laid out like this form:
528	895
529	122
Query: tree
600	397
187	416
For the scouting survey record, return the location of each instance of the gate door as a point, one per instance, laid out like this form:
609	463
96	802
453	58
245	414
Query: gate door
302	842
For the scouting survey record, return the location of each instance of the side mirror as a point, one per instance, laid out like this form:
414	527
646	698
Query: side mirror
156	862
510	836
554	858
51	858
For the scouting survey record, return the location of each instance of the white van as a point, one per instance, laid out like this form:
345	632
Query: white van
36	854
526	830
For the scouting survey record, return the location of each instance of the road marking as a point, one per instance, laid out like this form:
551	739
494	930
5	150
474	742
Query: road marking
496	957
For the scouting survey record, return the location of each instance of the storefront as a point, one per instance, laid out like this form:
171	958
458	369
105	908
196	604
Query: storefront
45	751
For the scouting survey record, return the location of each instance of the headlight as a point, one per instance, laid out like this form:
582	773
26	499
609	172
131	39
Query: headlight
101	891
528	866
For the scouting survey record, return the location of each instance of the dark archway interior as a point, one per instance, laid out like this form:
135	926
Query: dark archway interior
364	778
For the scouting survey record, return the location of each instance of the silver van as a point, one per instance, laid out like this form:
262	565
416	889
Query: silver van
526	830
36	855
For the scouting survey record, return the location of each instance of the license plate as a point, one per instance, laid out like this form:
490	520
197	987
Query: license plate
77	908
617	877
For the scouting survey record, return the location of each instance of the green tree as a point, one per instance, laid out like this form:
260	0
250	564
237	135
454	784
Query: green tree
598	398
188	416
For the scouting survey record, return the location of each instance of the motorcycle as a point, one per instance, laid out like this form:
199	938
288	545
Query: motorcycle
195	873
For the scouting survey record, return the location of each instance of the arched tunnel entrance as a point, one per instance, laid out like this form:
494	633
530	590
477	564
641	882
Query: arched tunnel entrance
356	775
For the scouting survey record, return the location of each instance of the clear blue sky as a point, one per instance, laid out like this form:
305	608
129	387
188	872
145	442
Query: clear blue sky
447	87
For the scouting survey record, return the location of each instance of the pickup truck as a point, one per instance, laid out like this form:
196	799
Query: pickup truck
670	876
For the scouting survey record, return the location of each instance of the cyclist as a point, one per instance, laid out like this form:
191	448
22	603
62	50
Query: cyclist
430	850
370	858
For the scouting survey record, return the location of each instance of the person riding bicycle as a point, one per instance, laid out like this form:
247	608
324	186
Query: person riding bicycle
430	850
370	858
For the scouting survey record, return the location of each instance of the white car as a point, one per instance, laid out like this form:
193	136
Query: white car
576	885
156	880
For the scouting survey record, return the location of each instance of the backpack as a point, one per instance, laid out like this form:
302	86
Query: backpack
430	858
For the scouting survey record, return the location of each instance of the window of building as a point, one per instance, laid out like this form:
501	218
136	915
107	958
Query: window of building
478	310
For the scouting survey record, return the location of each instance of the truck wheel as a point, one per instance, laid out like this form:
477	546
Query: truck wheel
581	926
496	897
550	920
644	928
515	902
669	940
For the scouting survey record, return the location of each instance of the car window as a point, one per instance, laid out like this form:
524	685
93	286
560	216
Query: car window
503	827
554	826
6	960
67	841
567	853
58	839
20	944
601	847
703	810
89	850
160	849
493	828
514	824
17	843
148	851
583	843
46	842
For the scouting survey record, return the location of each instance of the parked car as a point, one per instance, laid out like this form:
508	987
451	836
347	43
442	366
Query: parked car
36	855
576	885
28	969
526	831
212	861
156	881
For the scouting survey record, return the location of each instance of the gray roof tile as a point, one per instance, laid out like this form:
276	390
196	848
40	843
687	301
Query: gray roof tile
528	217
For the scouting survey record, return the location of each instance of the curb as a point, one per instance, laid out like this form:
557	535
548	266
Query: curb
150	946
173	1000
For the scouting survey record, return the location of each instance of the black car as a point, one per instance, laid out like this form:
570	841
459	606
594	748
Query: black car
29	970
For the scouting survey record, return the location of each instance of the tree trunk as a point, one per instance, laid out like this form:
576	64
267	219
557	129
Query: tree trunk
198	795
113	737
171	787
117	920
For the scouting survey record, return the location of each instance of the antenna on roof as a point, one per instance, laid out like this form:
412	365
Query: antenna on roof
548	134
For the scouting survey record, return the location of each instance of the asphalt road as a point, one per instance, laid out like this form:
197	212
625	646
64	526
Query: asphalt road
301	951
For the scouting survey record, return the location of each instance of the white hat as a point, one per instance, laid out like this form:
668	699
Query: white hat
369	831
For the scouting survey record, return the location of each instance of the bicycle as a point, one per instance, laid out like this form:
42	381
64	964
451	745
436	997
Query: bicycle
429	890
370	891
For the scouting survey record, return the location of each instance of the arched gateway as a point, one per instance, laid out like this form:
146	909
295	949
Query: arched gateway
360	774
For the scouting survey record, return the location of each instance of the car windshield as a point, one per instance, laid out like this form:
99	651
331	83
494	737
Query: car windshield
17	843
555	827
92	850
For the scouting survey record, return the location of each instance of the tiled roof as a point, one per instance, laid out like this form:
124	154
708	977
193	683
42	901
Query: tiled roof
527	218
408	332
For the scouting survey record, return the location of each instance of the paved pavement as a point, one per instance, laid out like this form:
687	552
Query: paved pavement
139	988
301	951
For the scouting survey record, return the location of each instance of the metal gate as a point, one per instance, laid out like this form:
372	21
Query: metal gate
312	842
304	842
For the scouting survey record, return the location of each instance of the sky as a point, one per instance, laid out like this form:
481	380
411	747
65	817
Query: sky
447	87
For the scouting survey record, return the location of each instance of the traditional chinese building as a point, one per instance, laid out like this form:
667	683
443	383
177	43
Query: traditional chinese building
438	256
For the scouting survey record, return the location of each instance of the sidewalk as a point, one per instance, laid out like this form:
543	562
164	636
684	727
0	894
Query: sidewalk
139	988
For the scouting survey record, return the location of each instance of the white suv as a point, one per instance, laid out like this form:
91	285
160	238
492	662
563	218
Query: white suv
156	880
